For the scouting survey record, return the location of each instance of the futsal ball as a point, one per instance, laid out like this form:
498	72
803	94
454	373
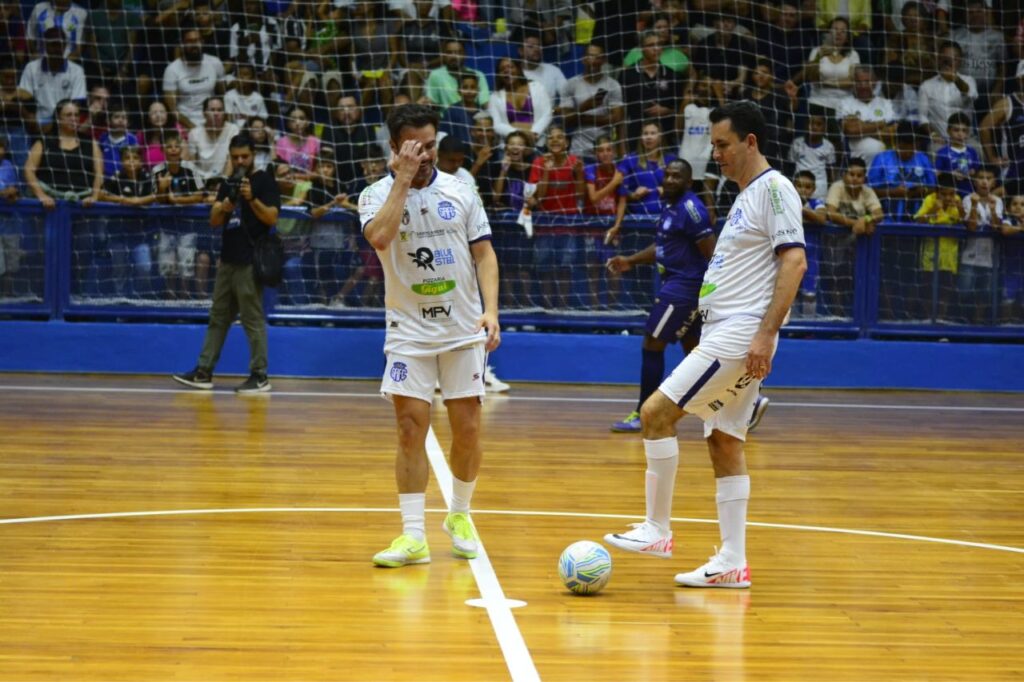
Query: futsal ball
585	567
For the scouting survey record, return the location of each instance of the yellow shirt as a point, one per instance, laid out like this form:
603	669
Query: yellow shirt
949	247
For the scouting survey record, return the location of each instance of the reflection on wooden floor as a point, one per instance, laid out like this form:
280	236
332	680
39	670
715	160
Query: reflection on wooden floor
291	595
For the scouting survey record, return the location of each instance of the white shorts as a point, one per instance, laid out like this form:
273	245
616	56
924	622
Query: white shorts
718	390
460	373
176	254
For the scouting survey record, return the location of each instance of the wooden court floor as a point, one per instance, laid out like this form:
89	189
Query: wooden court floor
151	533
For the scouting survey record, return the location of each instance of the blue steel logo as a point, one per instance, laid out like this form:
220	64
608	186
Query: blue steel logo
446	210
399	372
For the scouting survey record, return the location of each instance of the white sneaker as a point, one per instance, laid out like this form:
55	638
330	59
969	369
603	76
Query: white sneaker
493	384
645	538
717	572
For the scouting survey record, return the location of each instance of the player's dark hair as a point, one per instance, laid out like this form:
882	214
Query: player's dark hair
206	102
858	162
987	168
745	118
412	115
129	150
945	181
805	174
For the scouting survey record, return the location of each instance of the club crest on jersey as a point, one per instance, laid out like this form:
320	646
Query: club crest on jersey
423	258
446	210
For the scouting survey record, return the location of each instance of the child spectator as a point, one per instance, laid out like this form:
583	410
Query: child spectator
370	268
813	213
941	207
244	100
335	249
151	138
514	247
128	237
1013	260
558	176
983	213
451	157
176	183
852	205
956	157
115	139
815	153
695	148
10	230
458	118
602	180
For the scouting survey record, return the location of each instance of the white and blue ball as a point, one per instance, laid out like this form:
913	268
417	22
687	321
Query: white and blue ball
585	567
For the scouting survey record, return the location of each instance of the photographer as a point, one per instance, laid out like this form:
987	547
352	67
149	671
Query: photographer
247	207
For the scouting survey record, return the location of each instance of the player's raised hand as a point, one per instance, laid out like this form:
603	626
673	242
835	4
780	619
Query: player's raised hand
408	159
489	321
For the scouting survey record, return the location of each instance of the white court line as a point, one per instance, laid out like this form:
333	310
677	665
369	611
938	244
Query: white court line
510	639
539	399
496	512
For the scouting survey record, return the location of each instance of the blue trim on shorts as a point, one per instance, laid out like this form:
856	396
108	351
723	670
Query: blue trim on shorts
705	378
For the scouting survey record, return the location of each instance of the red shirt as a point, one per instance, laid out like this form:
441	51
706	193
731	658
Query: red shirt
561	192
600	179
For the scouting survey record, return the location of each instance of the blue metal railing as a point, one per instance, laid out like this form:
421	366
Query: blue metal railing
892	295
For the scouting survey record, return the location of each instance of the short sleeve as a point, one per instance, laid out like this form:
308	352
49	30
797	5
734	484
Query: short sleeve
477	225
535	170
783	214
371	200
171	78
698	223
834	193
926	206
871	199
614	97
590	173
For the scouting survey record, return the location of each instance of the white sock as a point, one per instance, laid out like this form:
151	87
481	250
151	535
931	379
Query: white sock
462	493
413	506
733	494
662	460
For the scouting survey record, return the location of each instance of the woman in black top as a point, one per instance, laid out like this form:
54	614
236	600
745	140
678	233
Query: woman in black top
65	166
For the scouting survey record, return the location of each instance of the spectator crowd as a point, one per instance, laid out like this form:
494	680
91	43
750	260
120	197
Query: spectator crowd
904	111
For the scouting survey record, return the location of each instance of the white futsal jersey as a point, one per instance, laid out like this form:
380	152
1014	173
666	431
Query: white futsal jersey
432	295
740	279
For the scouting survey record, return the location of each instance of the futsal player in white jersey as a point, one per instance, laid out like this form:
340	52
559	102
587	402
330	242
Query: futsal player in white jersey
441	294
748	289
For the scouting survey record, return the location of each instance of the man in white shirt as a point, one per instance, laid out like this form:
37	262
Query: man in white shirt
431	234
748	289
946	93
591	104
548	75
984	49
50	79
190	79
866	117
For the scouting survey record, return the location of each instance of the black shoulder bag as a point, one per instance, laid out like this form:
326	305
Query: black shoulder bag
267	259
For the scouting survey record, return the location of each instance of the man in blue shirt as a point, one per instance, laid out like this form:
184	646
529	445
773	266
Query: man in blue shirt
684	241
901	177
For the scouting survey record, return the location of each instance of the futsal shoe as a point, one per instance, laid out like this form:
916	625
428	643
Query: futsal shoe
464	539
631	424
493	384
760	407
404	551
198	378
256	383
645	538
717	572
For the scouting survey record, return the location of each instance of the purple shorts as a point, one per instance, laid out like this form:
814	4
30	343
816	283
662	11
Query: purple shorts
670	321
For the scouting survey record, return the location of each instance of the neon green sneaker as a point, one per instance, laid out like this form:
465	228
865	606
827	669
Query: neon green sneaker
405	550
631	424
460	530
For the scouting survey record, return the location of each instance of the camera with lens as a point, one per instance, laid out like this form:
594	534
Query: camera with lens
233	187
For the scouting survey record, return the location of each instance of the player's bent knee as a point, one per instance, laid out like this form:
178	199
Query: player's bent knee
658	416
